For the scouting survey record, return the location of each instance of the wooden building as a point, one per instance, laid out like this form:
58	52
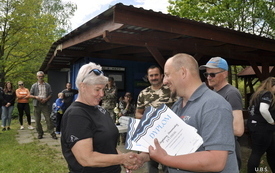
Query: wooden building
126	40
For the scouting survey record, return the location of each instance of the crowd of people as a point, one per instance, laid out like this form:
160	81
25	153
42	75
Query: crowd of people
40	93
89	136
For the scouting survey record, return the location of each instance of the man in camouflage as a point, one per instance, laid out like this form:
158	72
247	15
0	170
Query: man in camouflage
154	95
110	97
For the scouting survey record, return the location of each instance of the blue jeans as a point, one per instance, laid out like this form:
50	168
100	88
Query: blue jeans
6	115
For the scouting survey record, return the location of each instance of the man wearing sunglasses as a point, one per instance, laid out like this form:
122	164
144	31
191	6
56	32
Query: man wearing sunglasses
216	75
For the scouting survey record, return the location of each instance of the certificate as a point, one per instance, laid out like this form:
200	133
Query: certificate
130	144
174	135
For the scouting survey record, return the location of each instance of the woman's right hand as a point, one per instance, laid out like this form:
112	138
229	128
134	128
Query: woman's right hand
131	161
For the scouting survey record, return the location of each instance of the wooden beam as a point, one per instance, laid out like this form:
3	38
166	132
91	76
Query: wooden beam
102	46
272	72
136	40
256	70
192	46
71	53
93	32
129	50
157	55
143	58
198	56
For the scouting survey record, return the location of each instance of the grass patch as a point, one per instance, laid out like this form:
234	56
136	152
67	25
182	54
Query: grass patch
36	158
30	157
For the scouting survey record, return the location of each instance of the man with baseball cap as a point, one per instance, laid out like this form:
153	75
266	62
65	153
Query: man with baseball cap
216	74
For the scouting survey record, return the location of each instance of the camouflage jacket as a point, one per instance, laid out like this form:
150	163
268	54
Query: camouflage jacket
110	98
149	97
127	112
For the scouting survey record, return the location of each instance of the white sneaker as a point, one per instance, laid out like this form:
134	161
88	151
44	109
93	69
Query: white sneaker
31	127
22	127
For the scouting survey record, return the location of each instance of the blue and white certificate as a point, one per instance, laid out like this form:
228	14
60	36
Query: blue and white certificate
174	135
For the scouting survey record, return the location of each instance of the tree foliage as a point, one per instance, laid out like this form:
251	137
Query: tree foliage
27	30
251	16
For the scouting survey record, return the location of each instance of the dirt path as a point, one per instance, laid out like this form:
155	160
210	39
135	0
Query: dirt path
28	136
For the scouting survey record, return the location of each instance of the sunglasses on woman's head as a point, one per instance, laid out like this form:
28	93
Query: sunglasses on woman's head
211	74
95	71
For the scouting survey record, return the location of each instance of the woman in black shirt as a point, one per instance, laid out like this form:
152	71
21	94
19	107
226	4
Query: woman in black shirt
261	125
89	135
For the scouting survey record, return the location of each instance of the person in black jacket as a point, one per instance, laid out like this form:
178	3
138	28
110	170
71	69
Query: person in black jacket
7	105
261	126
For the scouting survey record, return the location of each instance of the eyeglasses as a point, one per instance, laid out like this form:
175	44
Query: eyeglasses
211	74
40	76
96	72
20	84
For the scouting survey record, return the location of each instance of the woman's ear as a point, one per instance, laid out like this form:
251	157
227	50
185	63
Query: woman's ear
82	85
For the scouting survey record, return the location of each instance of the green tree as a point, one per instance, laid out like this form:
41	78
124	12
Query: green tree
27	30
251	16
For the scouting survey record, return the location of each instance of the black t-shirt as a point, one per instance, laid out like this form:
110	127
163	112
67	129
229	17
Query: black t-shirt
69	97
82	121
256	121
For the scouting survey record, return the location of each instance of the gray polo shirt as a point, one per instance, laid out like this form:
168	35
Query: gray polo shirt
210	114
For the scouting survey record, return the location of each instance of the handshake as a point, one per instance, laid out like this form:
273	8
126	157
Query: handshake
133	161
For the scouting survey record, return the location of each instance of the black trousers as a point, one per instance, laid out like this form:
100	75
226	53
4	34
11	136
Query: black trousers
24	107
262	142
58	122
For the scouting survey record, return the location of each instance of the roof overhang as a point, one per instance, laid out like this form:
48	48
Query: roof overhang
129	33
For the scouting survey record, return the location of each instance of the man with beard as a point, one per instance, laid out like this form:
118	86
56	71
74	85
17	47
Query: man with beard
41	92
154	95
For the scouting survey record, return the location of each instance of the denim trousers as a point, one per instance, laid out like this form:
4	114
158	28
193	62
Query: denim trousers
7	115
45	109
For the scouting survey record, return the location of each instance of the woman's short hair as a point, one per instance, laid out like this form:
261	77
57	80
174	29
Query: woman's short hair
91	74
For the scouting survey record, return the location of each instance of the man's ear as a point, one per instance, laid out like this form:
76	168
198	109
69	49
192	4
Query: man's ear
183	71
